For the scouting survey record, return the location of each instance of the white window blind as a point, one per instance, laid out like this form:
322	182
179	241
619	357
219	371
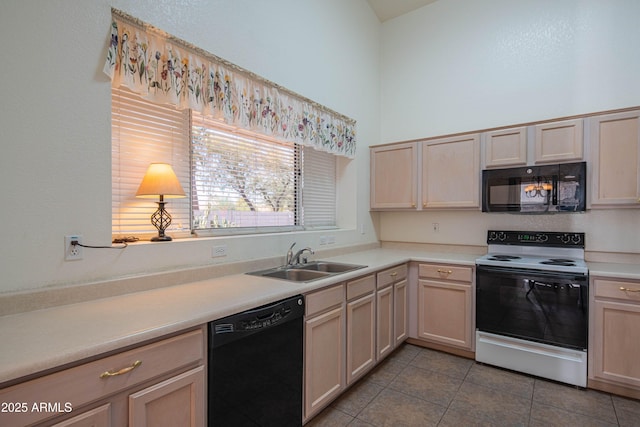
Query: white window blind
142	133
234	179
319	189
241	179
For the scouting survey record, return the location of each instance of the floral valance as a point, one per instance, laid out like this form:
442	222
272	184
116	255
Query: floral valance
164	69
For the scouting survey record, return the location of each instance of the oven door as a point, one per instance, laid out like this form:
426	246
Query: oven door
534	305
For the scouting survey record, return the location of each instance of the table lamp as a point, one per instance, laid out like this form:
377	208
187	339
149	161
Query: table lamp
160	181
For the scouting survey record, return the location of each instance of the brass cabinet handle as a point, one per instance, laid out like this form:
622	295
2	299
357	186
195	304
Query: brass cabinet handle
629	290
394	274
445	271
122	371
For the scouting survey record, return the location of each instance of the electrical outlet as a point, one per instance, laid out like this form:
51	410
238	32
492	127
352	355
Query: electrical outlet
72	252
323	240
219	251
331	240
436	227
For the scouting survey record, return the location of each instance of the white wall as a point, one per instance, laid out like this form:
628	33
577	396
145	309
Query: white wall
464	65
55	170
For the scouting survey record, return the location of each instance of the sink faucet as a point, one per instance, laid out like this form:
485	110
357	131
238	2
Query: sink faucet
290	254
295	259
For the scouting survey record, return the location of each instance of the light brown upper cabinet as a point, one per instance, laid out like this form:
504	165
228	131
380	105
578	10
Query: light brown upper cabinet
615	160
559	142
451	172
394	176
505	148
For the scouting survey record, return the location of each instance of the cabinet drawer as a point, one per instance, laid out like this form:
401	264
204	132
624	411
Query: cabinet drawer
449	272
610	288
361	286
391	275
317	302
89	382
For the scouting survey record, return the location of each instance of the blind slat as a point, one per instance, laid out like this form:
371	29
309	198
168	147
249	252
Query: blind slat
144	133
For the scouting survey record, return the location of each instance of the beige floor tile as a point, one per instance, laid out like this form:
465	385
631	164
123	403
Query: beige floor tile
591	403
330	417
394	409
444	363
455	418
627	411
405	354
386	372
354	400
500	379
422	387
359	423
503	408
549	416
427	385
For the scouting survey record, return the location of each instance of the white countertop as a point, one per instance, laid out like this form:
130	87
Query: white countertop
610	269
41	340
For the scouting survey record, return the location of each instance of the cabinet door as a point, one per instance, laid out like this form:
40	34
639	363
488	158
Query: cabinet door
394	176
400	310
445	313
559	142
324	359
178	401
451	172
616	342
615	155
507	147
361	351
98	417
384	317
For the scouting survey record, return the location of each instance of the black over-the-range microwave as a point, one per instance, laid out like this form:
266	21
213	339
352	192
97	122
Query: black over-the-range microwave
535	189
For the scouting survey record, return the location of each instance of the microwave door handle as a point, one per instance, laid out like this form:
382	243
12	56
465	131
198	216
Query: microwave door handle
554	191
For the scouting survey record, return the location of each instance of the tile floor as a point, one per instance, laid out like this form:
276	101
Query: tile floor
421	387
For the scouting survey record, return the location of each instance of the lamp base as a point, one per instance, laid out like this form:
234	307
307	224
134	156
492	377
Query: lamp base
161	220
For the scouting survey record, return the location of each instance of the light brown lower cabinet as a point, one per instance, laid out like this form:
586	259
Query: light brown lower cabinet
177	401
361	327
445	305
324	351
389	323
349	328
158	384
385	340
98	417
614	341
400	311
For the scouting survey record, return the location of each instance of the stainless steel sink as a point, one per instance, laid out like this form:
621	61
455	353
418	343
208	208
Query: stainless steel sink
295	274
329	267
307	272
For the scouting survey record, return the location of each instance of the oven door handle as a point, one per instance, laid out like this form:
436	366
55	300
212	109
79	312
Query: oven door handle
510	271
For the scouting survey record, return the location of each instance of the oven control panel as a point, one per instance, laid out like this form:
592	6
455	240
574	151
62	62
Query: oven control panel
536	238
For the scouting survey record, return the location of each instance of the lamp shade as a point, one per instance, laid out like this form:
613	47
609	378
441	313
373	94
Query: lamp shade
160	180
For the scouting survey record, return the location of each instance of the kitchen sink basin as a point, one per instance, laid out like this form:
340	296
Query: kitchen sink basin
329	267
307	272
295	275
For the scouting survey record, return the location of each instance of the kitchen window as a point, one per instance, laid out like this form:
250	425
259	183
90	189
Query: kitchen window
236	181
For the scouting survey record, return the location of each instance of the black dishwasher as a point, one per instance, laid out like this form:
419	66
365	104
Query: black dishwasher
256	366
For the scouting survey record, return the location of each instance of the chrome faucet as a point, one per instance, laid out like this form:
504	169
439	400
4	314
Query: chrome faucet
290	254
295	259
